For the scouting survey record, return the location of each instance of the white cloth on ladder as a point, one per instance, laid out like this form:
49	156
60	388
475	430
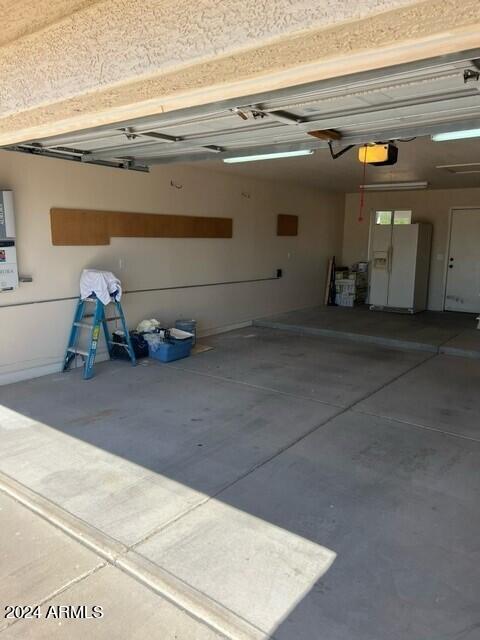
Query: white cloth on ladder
104	284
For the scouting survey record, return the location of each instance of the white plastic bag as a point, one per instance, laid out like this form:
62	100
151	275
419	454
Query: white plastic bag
154	340
148	326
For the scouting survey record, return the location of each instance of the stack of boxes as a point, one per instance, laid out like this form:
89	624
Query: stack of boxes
344	288
351	285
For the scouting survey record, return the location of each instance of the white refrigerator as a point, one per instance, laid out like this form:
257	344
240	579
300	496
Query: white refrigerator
400	263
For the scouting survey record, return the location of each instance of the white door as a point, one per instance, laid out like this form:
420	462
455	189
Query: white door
463	271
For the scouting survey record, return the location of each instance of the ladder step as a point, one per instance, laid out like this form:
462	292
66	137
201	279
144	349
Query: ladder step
91	315
93	321
80	352
119	344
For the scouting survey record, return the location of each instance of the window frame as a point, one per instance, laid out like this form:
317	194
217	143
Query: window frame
392	213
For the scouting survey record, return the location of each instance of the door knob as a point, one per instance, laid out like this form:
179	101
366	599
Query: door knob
450	266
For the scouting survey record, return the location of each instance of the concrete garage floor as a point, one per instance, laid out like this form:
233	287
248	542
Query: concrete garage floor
42	565
432	331
277	486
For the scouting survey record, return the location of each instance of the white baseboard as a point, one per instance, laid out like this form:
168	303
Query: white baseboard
29	373
46	369
213	331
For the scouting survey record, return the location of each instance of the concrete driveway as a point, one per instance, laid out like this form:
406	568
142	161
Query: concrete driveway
277	486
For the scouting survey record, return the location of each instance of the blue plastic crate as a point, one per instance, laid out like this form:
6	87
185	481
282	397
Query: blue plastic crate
170	351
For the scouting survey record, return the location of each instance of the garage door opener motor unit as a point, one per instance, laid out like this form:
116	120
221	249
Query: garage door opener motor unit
379	155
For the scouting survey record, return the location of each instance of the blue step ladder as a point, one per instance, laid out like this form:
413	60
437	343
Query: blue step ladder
99	320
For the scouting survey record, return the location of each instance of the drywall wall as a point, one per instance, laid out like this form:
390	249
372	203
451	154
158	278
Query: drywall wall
431	205
33	336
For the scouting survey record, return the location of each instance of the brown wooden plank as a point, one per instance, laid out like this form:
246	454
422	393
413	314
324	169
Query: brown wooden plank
77	227
326	134
328	281
88	227
287	225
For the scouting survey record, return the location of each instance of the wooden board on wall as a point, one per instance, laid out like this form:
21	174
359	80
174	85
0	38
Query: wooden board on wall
82	227
287	225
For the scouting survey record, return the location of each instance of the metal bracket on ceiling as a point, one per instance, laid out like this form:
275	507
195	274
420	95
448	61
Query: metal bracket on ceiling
122	163
470	74
161	136
337	154
133	135
281	116
241	112
245	113
129	164
257	113
129	134
74	155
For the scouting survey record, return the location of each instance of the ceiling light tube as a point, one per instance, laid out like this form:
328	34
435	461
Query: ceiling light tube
270	156
462	168
456	135
394	186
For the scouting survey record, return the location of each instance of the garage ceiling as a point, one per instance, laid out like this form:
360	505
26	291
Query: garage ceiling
401	102
417	161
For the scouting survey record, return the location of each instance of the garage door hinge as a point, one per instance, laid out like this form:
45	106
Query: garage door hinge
470	74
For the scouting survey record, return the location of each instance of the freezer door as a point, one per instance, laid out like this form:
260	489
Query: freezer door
380	265
401	290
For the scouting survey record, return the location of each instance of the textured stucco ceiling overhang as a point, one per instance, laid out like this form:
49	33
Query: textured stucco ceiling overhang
113	60
22	17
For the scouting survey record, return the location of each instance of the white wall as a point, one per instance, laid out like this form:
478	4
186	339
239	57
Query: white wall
33	336
431	205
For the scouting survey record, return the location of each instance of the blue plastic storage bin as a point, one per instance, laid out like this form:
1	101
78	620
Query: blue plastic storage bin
170	351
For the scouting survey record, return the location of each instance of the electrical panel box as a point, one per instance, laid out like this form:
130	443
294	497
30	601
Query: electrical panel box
8	252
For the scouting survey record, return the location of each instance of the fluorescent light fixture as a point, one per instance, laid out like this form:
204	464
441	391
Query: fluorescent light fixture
270	156
456	135
459	169
394	186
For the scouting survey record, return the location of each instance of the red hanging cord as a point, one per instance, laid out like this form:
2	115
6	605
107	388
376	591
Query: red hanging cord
362	191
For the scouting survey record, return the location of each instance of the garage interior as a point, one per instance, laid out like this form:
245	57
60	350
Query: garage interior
314	472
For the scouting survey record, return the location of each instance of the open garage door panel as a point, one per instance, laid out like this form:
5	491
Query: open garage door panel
439	95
